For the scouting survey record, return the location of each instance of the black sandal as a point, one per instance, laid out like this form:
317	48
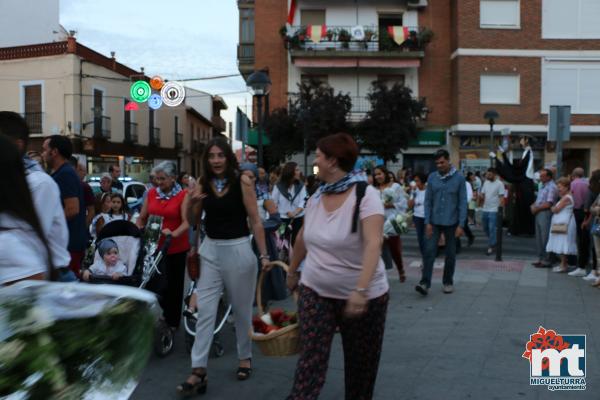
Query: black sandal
187	389
244	373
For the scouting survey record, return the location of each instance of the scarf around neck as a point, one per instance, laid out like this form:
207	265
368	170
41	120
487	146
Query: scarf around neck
168	196
449	174
345	183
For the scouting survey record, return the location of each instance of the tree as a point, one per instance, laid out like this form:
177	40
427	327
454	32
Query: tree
315	111
391	122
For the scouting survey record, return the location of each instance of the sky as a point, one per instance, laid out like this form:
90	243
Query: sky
176	39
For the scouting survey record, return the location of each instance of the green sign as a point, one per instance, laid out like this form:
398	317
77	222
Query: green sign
253	138
429	138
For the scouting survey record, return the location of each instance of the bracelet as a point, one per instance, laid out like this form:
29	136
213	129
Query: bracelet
361	290
264	257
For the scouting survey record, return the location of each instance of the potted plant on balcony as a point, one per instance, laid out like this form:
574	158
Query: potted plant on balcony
344	37
424	37
370	36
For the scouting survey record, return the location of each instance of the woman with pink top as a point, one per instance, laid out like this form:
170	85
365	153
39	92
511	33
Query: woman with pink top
343	282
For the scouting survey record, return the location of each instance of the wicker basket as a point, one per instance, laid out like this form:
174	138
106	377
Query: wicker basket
282	342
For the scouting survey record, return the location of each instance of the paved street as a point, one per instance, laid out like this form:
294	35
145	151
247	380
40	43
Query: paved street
466	345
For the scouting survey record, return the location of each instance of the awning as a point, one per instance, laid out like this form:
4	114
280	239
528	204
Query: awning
429	138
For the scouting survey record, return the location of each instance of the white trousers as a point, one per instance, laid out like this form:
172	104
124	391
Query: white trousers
229	264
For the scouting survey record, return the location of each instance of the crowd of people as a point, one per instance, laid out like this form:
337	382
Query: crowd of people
336	219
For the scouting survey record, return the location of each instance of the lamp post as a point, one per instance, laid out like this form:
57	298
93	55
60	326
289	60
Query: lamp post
491	116
260	86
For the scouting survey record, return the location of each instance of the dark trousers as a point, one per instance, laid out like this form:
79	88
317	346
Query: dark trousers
583	240
394	244
296	226
431	247
172	288
361	340
420	227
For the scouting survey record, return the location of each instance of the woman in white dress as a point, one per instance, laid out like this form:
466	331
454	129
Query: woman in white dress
394	202
563	244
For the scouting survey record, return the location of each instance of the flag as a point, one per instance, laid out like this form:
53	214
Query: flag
316	32
398	33
292	13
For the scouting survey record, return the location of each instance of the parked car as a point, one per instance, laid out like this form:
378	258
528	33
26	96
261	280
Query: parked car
133	192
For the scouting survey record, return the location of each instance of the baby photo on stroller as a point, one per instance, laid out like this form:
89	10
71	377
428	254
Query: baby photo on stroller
109	264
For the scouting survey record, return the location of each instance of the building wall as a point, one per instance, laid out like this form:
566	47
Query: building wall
20	26
270	16
360	13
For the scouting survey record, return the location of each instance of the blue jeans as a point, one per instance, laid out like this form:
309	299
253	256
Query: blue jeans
420	227
489	221
431	247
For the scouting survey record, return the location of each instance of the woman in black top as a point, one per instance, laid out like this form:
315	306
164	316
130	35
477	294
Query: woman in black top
229	201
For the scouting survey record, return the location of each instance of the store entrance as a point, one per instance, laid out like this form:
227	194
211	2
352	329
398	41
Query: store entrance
419	163
573	158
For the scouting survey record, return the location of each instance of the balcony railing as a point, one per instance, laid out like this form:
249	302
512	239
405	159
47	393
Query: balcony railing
343	39
155	136
35	122
131	132
178	140
102	127
246	53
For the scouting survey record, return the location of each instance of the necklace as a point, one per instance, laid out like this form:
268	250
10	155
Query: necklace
220	184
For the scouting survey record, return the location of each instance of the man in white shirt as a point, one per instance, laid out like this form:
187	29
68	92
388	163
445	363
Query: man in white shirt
491	197
45	194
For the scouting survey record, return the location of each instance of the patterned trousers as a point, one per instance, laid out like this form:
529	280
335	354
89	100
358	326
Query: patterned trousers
361	339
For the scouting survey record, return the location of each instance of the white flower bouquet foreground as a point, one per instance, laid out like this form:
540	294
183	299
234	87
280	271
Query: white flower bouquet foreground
397	225
73	341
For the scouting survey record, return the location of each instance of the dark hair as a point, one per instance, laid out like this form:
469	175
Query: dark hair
62	144
469	174
287	174
124	208
385	173
14	126
18	201
493	171
441	153
595	181
112	168
342	147
231	169
548	172
180	176
73	161
422	177
312	184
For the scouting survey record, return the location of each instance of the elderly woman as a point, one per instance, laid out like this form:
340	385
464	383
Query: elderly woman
169	200
228	199
343	282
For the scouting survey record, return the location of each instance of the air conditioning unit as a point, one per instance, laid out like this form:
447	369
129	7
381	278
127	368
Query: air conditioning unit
417	3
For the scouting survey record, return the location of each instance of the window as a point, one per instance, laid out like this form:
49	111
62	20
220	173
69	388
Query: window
391	80
500	14
312	17
499	89
322	80
576	19
32	106
571	84
247	25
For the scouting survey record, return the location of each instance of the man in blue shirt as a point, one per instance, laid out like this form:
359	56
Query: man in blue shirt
57	150
445	212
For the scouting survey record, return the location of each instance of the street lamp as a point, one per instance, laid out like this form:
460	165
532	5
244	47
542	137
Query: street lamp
491	116
260	86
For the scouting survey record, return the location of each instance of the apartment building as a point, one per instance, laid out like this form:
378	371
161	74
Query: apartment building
515	56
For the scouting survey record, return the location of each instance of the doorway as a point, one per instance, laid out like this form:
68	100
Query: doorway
573	158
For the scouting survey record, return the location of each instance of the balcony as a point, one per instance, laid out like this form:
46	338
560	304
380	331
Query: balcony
346	47
245	56
155	136
219	123
131	133
102	127
178	140
35	122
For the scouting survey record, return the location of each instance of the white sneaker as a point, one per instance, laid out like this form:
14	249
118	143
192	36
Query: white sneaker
590	277
577	272
558	269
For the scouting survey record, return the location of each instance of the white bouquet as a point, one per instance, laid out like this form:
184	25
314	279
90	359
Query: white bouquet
397	224
388	195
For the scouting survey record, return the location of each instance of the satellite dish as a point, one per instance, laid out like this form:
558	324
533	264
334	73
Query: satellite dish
358	33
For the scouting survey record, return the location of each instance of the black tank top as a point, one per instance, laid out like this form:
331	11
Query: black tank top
226	216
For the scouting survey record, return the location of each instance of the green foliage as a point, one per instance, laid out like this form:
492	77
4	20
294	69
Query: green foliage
315	111
391	122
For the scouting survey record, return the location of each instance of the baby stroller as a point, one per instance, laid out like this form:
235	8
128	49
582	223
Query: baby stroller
142	257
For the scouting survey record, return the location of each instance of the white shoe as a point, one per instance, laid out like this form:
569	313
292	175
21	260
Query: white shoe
577	272
590	277
558	269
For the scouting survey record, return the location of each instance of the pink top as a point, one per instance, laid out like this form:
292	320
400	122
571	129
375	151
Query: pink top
580	189
334	255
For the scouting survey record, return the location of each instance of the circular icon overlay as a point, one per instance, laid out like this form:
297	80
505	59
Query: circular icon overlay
140	91
173	94
155	101
157	82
